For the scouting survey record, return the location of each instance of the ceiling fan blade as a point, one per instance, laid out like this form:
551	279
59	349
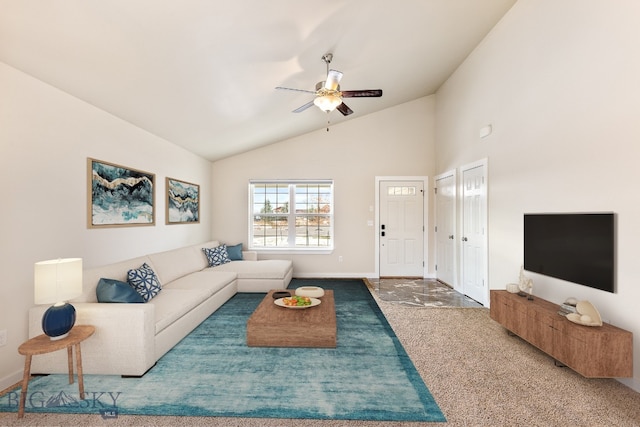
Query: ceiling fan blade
303	107
344	109
368	93
333	80
297	90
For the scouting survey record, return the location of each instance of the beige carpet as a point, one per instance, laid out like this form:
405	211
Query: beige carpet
478	374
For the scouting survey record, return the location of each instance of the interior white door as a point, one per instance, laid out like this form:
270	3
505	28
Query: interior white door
401	228
474	257
445	229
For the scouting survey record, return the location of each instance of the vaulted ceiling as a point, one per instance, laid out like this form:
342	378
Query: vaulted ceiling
202	73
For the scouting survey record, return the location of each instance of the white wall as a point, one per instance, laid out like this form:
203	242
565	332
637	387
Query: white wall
558	80
398	141
45	139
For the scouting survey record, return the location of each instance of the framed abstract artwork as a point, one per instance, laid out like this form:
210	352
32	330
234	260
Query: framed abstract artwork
183	202
119	196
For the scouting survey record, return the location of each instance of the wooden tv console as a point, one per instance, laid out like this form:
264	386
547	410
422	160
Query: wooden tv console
592	351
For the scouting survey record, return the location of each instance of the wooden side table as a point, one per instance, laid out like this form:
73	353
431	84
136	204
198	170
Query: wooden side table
42	344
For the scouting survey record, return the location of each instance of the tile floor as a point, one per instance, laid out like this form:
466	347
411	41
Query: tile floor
420	293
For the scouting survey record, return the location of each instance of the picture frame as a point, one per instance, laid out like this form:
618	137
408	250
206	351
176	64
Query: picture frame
119	196
182	202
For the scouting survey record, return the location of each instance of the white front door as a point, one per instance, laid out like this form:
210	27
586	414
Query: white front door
401	228
474	256
446	229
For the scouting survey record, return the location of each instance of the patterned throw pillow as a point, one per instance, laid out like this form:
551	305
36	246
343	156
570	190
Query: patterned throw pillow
144	281
217	255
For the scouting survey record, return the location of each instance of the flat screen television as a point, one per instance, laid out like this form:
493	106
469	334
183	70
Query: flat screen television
576	247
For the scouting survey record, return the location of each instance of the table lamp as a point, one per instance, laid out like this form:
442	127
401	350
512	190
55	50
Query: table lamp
57	281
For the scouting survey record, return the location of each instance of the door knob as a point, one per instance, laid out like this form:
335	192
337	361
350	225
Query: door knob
451	236
464	239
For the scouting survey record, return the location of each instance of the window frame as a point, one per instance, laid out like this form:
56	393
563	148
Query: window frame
291	215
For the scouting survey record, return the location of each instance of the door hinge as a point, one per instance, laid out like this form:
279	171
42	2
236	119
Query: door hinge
436	228
435	190
436	266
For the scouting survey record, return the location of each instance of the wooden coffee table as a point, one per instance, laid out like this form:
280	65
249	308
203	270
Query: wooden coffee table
274	326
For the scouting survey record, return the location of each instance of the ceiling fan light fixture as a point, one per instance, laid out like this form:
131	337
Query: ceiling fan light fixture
328	95
328	102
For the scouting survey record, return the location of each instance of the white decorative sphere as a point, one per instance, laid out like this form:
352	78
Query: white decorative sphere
513	288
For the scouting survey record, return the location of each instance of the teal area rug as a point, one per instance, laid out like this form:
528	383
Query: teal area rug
212	372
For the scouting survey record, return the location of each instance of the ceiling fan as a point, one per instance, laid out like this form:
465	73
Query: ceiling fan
328	96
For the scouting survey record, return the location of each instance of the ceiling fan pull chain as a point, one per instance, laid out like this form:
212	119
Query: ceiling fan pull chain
328	120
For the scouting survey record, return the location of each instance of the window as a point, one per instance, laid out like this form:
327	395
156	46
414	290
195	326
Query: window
291	215
401	191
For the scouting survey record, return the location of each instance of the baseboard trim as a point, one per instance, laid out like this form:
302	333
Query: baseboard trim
632	383
10	381
370	275
333	275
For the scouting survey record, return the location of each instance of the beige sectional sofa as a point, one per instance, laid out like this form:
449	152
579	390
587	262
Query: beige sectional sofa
130	338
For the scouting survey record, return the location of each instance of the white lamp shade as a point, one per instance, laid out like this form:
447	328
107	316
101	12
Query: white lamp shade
328	102
57	280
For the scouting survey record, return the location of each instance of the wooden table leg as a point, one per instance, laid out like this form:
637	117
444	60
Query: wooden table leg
79	368
70	363
42	344
25	384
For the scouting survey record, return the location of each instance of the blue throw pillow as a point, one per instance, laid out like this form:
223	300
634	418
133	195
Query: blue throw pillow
217	256
144	281
110	290
235	252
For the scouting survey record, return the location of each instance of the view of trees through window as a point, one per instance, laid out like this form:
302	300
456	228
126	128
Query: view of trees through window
312	216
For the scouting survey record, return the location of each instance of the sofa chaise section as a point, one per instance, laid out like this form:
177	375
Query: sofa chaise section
261	276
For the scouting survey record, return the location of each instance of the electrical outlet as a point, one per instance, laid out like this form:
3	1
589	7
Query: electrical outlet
340	258
3	337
